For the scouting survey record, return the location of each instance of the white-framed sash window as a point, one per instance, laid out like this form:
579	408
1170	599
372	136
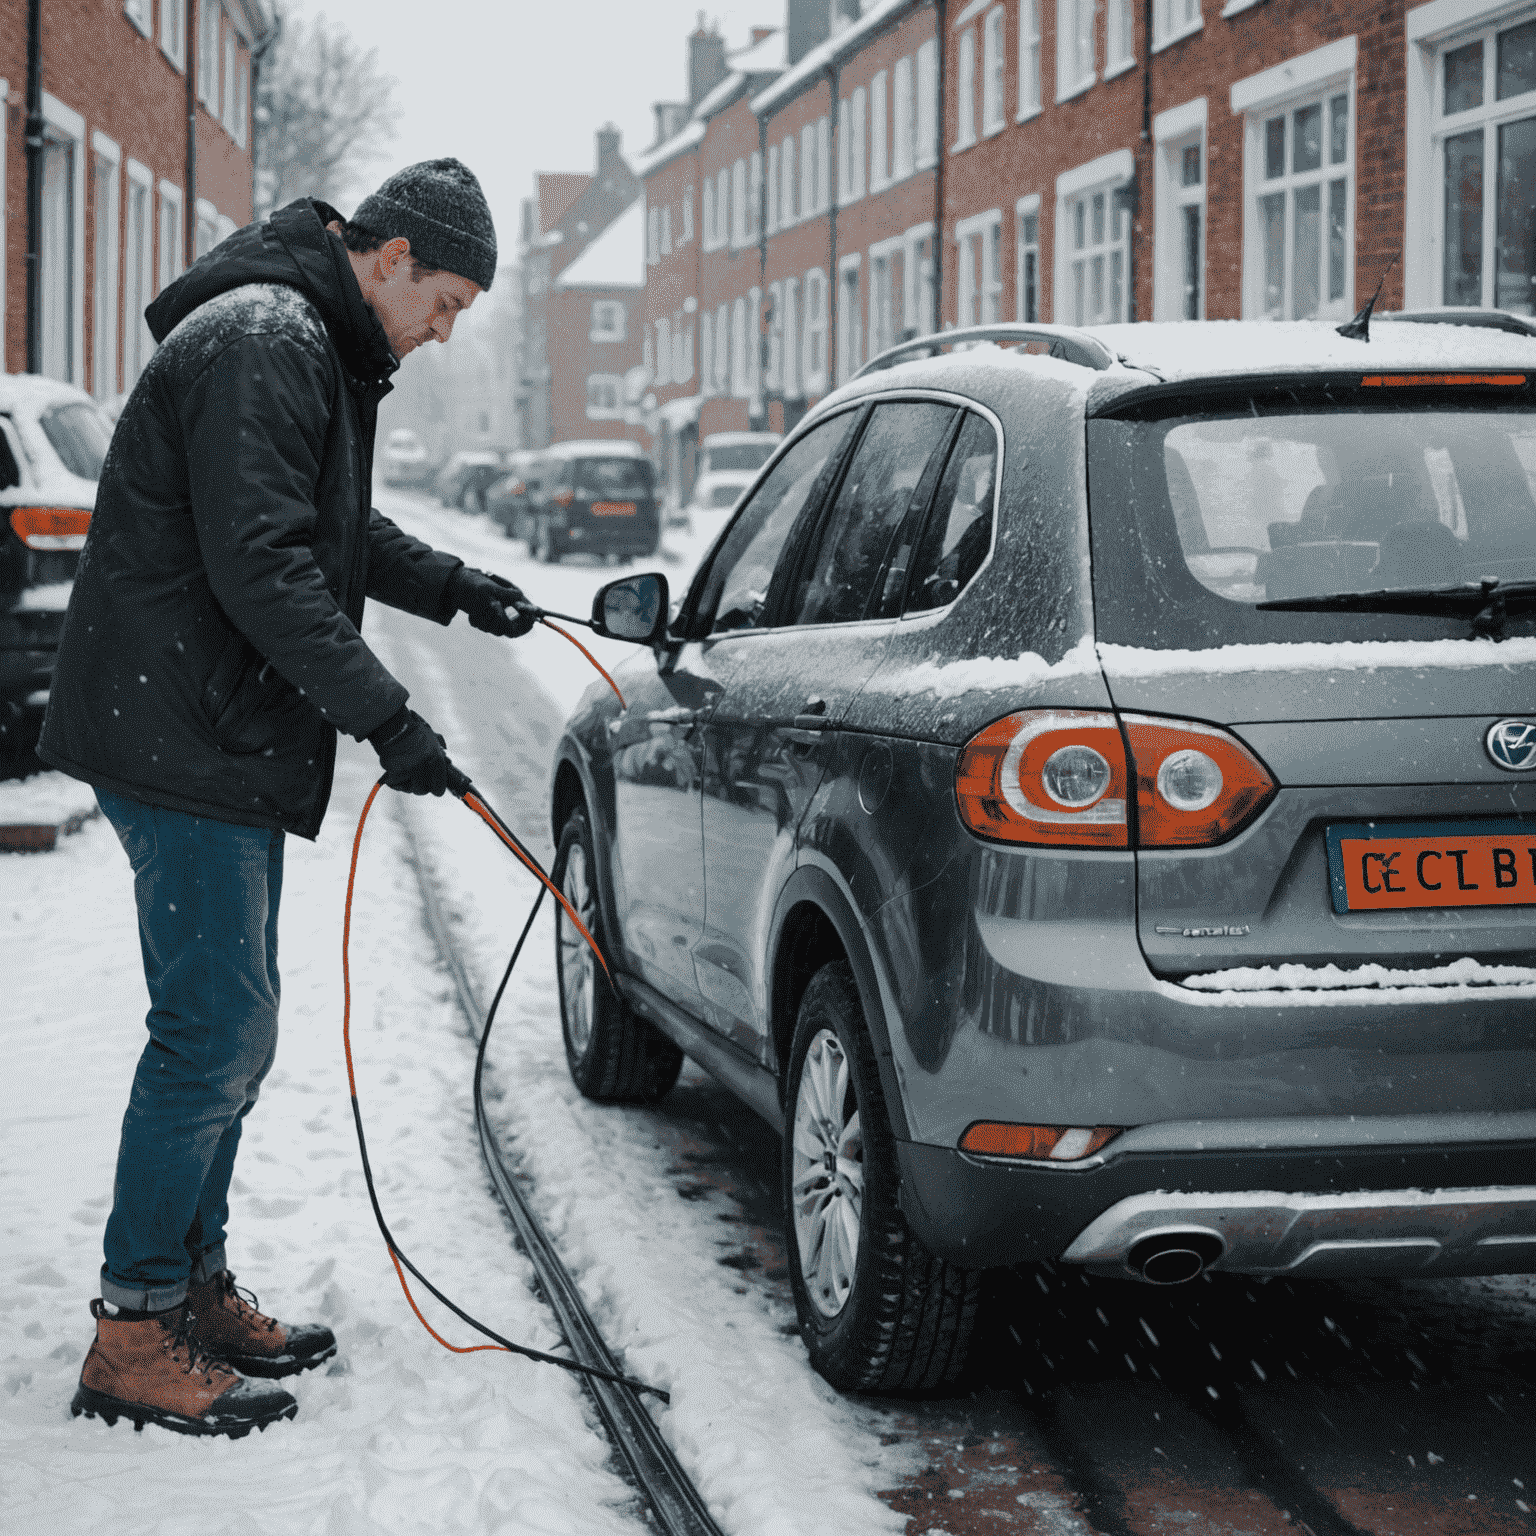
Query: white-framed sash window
1119	37
1076	65
106	183
1093	229
1026	278
605	397
978	257
172	249
138	270
794	371
879	133
687	215
965	91
773	374
173	31
789	181
741	351
706	353
1174	19
1029	59
1179	172
850	318
885	288
920	293
993	41
814	353
209	15
856	145
62	242
608	317
925	151
903	121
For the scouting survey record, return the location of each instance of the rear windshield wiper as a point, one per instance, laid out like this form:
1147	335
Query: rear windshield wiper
1487	605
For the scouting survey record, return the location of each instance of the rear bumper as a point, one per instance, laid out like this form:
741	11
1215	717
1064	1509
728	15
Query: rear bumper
984	1214
29	648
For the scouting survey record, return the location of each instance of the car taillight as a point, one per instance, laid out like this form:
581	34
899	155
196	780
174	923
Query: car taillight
1058	778
563	498
1195	784
1051	776
517	488
1047	1143
50	527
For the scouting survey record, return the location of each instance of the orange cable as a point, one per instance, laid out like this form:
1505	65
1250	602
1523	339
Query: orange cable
548	624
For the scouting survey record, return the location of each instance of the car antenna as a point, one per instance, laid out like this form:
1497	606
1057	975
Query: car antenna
1359	329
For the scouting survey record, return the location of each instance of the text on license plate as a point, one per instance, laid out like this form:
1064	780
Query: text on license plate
1373	867
613	509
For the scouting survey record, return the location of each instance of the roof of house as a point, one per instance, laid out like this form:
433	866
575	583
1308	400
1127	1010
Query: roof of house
616	259
794	80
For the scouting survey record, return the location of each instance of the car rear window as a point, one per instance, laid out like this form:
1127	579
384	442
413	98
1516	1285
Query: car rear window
1197	516
79	434
612	477
738	456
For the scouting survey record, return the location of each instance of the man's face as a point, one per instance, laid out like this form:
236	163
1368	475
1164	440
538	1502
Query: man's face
414	307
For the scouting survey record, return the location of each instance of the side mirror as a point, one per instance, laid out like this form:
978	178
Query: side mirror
632	608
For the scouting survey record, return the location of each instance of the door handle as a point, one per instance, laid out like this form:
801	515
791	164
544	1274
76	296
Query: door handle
812	723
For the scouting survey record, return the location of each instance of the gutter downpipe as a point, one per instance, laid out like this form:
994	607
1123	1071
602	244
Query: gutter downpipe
259	57
1142	180
764	310
834	193
34	148
941	31
189	207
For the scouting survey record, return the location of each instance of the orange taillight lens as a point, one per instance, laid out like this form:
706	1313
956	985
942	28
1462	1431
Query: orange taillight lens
1059	778
517	488
1195	784
1046	776
51	527
563	498
1050	1143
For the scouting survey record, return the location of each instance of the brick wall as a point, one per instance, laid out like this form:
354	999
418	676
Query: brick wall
580	357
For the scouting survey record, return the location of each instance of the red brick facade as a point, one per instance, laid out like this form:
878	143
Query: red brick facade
120	216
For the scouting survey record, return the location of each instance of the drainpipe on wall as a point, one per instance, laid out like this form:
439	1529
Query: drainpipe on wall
34	146
941	32
834	280
764	312
1143	179
258	58
189	206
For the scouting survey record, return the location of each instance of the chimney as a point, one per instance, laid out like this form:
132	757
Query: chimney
607	147
670	117
706	63
807	22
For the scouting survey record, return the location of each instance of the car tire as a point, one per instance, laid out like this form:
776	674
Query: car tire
888	1316
614	1055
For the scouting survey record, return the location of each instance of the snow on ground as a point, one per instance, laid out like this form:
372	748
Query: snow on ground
396	1435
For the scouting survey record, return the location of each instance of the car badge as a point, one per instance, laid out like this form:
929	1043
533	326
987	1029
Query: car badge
1512	744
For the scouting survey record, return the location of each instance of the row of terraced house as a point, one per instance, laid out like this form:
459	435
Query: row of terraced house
862	174
125	153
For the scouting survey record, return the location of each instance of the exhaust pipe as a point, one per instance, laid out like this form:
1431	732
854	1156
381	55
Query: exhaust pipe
1174	1258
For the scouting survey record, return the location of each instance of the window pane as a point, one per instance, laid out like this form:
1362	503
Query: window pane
1463	276
1337	212
1031	286
1274	147
1079	232
1098	218
874	499
1191	166
737	589
1517	61
1096	289
1272	217
1078	278
1308	146
1516	275
1192	261
1338	130
1116	276
959	531
80	435
1307	252
1464	78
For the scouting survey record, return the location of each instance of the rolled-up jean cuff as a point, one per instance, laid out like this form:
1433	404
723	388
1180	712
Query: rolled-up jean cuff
208	1265
157	1298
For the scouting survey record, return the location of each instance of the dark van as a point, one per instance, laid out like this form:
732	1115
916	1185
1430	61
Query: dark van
594	498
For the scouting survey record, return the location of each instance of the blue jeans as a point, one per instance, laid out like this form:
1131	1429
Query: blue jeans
207	894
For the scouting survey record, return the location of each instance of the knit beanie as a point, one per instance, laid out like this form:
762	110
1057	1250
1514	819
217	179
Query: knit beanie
438	206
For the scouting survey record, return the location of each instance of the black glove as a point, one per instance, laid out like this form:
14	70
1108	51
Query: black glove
411	754
491	602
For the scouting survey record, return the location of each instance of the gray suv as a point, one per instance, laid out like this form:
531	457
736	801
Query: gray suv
1086	800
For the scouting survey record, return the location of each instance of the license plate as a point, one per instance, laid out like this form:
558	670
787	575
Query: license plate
1375	866
613	509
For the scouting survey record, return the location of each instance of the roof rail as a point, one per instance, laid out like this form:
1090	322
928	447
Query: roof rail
1067	342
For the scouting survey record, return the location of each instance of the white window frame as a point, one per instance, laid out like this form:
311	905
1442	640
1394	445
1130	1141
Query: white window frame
754	193
856	145
1107	175
741	350
614	412
740	221
788	206
682	351
107	265
1434	30
994	42
844	146
1027	207
1316	76
722	207
706	353
609	320
229	105
807	199
814	330
925	110
879	132
666	229
721	363
792	381
687	215
965	92
916	285
823	164
773	375
138	343
64	124
173	31
1174	20
663	328
171	254
1174	131
1119	37
207	227
210	15
881	255
1029	60
978	268
652	235
850	317
773	189
1076	48
903	121
138	12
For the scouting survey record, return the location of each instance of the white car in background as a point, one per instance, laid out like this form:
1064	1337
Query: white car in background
728	464
405	459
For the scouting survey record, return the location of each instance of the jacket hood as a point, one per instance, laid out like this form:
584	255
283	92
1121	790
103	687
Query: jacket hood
294	248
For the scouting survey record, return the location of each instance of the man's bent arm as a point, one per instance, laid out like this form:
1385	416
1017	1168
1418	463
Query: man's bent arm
406	573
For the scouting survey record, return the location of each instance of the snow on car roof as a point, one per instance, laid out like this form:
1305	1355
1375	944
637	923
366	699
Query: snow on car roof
605	446
34	392
738	439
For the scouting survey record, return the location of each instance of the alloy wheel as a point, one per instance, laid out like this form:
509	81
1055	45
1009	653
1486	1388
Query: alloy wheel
828	1174
577	969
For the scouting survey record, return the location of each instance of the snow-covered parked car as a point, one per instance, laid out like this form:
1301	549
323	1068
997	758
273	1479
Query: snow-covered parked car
1098	820
728	464
463	481
405	460
53	438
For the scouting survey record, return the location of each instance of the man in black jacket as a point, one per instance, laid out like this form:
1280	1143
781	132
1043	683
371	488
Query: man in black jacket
211	653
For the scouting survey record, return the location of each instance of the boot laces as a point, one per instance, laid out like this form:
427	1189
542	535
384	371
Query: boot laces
244	1302
183	1336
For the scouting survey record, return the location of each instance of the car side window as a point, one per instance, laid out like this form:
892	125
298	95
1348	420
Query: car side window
959	530
10	472
735	595
836	584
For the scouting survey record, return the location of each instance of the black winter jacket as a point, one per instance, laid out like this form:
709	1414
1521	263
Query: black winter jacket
211	650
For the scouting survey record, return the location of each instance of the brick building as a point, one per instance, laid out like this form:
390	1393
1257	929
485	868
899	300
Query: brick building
126	196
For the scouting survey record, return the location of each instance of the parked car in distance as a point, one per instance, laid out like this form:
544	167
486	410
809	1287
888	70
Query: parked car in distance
53	438
1087	803
405	460
1487	319
595	497
463	481
728	464
507	500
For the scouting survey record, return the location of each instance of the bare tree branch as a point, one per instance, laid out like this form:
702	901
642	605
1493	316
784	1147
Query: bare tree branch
324	113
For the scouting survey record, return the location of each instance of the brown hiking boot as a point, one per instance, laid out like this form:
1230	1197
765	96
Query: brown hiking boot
229	1326
153	1370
